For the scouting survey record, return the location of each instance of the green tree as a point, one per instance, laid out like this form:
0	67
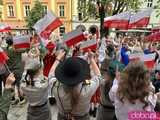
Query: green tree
36	14
1	2
102	8
157	7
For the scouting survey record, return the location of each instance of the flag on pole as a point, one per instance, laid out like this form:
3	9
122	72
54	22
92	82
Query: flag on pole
154	37
148	59
47	24
73	37
3	56
119	21
102	48
140	19
89	45
21	42
4	28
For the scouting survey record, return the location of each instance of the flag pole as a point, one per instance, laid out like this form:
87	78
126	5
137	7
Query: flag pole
6	66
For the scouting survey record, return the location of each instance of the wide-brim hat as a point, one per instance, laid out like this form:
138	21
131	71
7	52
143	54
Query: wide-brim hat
72	71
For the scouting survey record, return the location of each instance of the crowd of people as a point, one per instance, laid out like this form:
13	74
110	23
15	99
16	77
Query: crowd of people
103	83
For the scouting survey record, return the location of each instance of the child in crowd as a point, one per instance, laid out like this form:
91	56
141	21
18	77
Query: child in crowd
106	110
132	91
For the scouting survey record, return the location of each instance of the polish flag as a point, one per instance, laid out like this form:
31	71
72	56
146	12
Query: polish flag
148	59
4	28
47	24
140	19
154	37
73	37
119	21
89	45
21	42
3	56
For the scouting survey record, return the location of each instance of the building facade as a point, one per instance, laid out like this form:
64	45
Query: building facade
14	12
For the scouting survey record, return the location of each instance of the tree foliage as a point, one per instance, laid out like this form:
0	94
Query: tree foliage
157	7
1	2
36	14
89	8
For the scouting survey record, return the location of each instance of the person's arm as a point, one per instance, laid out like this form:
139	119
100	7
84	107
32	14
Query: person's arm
96	79
6	97
93	64
57	61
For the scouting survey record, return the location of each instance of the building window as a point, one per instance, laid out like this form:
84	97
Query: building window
80	16
45	9
61	11
149	3
10	11
26	10
62	30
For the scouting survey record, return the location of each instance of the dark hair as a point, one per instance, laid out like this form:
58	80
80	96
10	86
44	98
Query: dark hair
9	42
74	94
29	77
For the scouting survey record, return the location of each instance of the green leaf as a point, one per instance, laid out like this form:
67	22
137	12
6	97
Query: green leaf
36	14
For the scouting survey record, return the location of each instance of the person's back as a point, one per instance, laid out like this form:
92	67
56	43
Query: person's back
133	92
86	91
72	92
36	95
122	109
35	88
15	63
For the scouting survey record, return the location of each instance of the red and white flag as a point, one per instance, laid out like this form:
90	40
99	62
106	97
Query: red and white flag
89	45
4	27
47	24
21	42
73	37
140	19
154	37
148	59
3	56
119	21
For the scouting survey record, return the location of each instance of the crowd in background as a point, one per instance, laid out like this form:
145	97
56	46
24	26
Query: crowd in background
102	83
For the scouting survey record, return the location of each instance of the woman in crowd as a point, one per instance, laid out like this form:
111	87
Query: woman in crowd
35	88
106	109
133	91
73	91
5	98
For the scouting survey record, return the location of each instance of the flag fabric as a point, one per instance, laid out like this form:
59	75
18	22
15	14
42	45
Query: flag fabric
3	56
73	37
21	42
148	59
156	29
102	48
140	19
4	28
89	45
154	37
47	24
119	21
